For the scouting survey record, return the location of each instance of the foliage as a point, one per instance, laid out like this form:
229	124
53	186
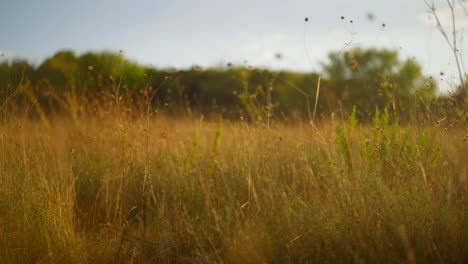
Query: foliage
375	78
365	78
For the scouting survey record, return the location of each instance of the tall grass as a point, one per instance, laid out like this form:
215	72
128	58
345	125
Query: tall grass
111	187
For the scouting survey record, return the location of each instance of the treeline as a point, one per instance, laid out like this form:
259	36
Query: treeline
368	79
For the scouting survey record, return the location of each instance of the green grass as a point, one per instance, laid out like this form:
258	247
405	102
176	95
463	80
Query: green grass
102	189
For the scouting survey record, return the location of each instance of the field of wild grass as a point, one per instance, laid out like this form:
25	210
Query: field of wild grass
110	188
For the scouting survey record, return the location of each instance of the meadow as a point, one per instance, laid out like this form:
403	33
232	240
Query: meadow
114	186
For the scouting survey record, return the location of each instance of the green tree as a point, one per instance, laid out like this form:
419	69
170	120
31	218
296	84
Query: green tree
12	74
58	71
370	78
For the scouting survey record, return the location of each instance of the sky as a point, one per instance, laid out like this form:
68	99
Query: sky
183	33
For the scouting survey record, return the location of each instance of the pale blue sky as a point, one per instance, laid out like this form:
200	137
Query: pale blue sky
181	33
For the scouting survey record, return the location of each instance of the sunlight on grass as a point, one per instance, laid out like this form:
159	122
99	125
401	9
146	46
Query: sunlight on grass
163	190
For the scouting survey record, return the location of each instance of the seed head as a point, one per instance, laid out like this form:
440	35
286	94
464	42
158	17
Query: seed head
370	16
354	64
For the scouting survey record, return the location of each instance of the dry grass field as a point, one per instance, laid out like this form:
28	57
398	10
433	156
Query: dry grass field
110	188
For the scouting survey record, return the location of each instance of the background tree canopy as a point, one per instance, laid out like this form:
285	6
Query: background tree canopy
375	78
366	78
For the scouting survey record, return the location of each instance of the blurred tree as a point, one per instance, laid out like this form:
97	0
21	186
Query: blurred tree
295	93
373	78
367	78
99	70
12	74
59	70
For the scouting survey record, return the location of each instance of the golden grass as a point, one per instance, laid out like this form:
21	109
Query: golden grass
157	190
